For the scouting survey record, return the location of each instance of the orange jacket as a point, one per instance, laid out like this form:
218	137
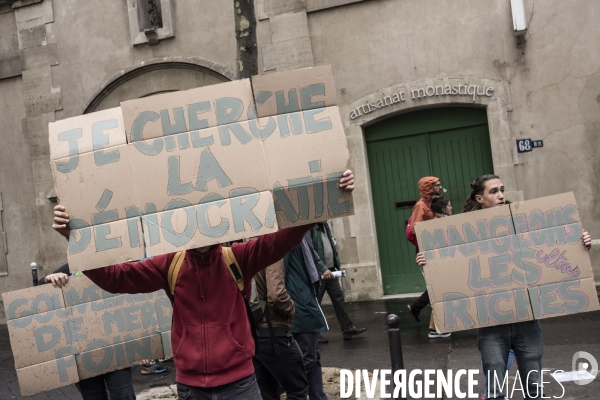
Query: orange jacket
422	209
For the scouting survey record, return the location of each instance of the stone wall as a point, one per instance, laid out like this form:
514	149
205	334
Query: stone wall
550	83
61	58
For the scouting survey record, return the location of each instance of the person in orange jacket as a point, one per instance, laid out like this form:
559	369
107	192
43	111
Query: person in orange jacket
429	187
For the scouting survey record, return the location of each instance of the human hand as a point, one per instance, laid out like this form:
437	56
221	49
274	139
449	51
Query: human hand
61	221
421	259
347	181
57	279
328	275
586	239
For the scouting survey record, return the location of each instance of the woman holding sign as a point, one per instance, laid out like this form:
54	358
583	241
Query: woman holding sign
524	338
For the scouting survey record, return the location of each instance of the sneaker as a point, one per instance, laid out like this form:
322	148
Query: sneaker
322	339
435	335
153	368
413	314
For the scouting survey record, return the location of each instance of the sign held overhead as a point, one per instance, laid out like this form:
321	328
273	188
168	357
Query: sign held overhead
199	167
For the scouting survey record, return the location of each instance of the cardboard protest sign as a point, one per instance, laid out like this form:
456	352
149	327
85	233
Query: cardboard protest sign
60	336
199	167
512	263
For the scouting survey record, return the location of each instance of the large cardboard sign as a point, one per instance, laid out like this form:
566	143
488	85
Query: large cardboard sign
199	167
60	336
512	263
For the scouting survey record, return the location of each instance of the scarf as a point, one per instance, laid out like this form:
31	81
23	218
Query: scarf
309	259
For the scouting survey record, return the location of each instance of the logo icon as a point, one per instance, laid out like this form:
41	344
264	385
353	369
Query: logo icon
585	371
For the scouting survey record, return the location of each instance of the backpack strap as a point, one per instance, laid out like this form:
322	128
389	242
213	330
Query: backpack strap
233	267
236	274
174	270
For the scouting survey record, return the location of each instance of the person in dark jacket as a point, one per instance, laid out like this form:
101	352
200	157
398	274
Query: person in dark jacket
279	360
328	261
112	385
301	276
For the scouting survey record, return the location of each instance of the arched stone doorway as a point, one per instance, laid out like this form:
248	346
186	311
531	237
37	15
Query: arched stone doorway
358	234
154	78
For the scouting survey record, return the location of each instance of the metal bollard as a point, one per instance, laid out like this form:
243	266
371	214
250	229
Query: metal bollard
395	345
34	273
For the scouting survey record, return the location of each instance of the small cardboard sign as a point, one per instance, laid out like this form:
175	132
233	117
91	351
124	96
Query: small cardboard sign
203	166
513	263
60	336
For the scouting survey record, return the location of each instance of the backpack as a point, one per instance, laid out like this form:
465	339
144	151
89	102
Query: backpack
236	274
412	237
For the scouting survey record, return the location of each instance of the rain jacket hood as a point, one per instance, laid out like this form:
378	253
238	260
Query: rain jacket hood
425	186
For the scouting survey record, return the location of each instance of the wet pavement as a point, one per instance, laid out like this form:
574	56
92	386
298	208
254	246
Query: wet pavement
563	337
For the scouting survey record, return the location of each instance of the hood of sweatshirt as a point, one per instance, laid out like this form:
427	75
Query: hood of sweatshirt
426	187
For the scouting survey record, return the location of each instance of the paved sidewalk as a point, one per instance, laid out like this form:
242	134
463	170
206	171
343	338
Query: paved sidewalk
563	336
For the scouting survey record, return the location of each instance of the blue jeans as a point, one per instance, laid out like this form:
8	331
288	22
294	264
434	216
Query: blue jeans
119	385
311	356
525	339
245	388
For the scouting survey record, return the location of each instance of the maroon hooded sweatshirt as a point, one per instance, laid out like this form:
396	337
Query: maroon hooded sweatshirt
210	334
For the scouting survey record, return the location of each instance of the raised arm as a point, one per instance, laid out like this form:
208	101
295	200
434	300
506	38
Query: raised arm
144	276
267	249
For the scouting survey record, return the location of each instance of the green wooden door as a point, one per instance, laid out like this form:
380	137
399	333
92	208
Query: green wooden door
450	143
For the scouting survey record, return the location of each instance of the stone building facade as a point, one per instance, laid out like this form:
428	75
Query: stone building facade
62	58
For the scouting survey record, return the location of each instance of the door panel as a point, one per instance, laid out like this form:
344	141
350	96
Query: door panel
450	143
457	157
394	166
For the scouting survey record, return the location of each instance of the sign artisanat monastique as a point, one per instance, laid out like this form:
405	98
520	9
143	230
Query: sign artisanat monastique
473	91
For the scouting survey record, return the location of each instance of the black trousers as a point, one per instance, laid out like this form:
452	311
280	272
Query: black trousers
420	303
285	368
333	288
312	364
118	384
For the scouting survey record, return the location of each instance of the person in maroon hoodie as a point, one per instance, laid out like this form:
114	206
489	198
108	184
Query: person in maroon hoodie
210	334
